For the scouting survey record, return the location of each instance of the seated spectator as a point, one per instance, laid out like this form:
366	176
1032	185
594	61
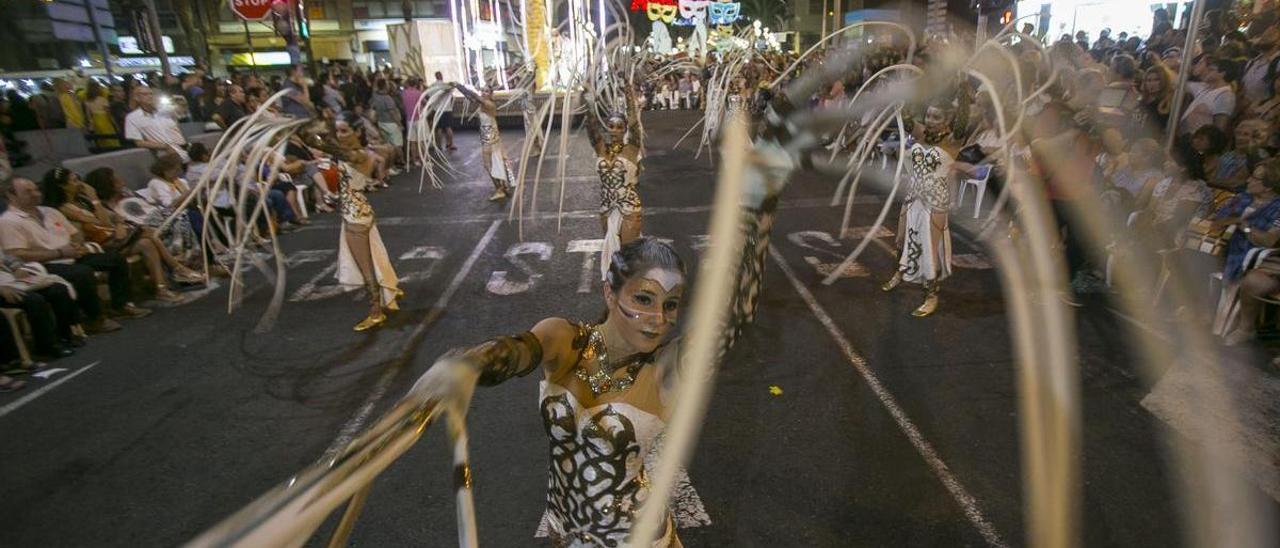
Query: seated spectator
1156	98
154	130
34	233
1256	212
1268	109
307	166
1207	145
79	202
179	238
231	109
49	304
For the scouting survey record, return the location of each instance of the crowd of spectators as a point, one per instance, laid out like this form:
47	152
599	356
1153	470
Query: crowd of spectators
67	233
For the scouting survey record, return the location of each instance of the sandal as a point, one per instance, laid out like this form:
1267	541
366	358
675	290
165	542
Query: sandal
9	384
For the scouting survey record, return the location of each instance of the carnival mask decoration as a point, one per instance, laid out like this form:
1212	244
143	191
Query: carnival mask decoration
662	10
724	13
694	10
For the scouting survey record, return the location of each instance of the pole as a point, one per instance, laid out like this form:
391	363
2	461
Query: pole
837	19
253	54
1180	92
157	36
825	10
980	34
97	37
301	12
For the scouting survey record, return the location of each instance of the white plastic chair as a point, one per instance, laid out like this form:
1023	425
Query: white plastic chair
983	173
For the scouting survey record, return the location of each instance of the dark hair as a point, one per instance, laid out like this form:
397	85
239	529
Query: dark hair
1216	137
164	164
51	186
103	181
639	256
198	152
1229	68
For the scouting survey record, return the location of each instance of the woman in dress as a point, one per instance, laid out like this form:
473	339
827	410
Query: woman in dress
924	234
179	238
618	155
362	258
492	152
607	387
79	202
102	125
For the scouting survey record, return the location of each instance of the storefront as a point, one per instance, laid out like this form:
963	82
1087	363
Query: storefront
1058	17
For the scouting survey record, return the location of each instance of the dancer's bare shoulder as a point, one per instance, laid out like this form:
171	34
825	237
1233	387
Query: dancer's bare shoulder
557	336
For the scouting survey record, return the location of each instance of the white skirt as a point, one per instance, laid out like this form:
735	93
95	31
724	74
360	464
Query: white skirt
496	164
349	272
923	259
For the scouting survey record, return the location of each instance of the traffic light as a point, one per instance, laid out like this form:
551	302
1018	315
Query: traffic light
1006	17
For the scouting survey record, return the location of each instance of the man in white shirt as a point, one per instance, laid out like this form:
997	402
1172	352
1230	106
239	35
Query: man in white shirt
34	233
148	128
1214	102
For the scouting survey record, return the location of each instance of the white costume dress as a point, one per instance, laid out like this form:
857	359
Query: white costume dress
926	255
356	210
495	161
597	476
618	198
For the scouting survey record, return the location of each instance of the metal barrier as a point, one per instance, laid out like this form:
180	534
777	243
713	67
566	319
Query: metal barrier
290	513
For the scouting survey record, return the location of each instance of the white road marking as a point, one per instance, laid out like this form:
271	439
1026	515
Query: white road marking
940	469
45	390
309	256
356	423
498	282
590	249
46	373
313	291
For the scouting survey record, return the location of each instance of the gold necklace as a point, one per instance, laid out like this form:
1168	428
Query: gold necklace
602	380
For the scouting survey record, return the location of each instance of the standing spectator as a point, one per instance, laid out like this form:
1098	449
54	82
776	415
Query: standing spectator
388	115
1214	101
119	106
332	97
72	107
153	130
34	233
104	129
22	117
48	107
446	119
297	102
686	92
1261	70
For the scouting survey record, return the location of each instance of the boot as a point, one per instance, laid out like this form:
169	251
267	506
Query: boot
930	304
377	317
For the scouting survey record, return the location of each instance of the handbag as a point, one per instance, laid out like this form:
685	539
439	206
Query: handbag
96	233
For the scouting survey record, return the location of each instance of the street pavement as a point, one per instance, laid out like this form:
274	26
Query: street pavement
838	420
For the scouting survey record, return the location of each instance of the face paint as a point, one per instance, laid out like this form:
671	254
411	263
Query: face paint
646	309
667	278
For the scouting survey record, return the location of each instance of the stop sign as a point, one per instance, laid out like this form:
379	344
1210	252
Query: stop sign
252	10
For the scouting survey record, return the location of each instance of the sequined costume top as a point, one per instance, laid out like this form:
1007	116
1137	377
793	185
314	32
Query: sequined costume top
596	477
618	177
930	180
735	106
351	193
488	129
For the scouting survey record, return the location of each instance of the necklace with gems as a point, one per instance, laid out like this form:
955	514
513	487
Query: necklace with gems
602	380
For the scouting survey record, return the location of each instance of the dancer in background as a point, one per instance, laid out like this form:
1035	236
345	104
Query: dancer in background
924	233
492	152
618	156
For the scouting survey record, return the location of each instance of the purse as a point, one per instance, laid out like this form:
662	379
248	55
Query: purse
98	234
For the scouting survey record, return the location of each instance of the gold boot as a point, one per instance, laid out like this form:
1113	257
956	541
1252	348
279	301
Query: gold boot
930	304
893	282
377	317
394	305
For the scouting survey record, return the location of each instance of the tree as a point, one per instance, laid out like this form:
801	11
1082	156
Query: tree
197	19
775	14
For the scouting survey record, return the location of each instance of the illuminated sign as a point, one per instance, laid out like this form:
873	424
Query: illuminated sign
687	13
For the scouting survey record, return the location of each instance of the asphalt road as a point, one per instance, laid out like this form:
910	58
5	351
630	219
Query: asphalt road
839	420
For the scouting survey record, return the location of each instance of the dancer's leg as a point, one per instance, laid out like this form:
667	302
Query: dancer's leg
357	237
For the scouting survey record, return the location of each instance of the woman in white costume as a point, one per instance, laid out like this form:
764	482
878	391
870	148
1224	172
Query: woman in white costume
618	155
924	235
492	152
362	258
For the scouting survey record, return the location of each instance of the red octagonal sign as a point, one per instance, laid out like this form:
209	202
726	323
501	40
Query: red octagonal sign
252	10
